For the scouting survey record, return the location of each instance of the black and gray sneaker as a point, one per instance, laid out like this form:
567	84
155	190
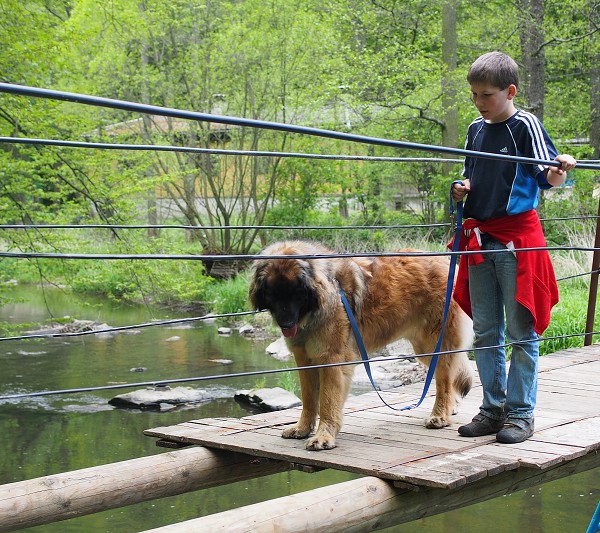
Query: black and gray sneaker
516	430
481	425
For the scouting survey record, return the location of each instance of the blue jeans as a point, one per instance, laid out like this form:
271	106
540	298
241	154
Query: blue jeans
492	285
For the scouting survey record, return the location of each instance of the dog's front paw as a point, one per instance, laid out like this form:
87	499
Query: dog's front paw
296	432
320	442
436	422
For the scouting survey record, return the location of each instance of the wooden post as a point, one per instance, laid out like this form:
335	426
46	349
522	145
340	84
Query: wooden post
70	494
591	311
369	503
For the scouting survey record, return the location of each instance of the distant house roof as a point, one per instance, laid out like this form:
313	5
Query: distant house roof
577	141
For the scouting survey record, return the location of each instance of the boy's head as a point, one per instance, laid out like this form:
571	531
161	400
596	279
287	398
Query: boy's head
496	69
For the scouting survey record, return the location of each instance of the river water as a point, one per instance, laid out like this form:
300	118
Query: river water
52	434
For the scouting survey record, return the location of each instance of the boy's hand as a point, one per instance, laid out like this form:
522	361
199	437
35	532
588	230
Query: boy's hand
459	191
556	175
567	162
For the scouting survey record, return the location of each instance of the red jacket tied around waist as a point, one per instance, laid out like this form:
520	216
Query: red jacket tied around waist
536	282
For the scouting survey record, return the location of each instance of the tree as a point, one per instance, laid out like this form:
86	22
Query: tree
531	30
247	59
594	24
384	68
449	82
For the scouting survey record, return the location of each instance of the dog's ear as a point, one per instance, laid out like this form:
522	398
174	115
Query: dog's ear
256	290
308	285
366	266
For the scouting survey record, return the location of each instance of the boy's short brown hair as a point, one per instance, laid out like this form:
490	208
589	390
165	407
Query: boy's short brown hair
495	68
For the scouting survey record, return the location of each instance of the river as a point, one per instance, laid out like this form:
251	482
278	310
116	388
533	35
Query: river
52	434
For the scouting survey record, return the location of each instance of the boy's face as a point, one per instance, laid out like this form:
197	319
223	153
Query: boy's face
494	104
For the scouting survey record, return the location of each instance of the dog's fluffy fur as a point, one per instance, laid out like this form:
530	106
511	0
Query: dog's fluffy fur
391	297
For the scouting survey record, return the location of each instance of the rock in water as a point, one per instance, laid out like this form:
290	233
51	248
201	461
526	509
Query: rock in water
160	398
275	399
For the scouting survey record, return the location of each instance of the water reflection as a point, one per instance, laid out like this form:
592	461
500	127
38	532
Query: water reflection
47	435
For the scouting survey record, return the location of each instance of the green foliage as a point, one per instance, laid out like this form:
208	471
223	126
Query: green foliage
230	296
289	381
570	314
358	66
568	318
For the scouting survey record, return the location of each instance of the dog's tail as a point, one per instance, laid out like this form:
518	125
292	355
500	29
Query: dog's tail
463	382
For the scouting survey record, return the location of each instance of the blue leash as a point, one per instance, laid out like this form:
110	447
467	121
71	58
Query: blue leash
594	526
434	358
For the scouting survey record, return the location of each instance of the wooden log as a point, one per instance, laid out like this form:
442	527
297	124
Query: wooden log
70	494
369	504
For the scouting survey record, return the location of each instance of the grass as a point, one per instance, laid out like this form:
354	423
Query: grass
289	381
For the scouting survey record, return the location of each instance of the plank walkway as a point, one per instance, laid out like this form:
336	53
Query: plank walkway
393	445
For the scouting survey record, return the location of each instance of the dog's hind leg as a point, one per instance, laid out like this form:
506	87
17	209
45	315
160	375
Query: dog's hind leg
444	389
335	385
453	376
445	401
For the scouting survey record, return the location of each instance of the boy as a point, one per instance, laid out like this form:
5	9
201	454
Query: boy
500	214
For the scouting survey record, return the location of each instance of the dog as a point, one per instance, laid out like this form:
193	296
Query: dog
392	297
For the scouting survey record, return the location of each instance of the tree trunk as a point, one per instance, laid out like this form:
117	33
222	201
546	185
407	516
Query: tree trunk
534	57
595	92
151	207
449	90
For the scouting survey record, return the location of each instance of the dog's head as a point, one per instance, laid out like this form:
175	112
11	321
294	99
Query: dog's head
285	287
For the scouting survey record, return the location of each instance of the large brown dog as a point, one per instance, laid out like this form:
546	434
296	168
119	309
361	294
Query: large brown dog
392	297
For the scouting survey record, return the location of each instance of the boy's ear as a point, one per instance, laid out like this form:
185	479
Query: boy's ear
512	91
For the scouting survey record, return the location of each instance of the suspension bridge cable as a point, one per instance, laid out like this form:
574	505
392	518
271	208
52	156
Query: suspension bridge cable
199	228
158	383
51	335
129	327
123	105
218	151
161	111
258	257
252	227
579	275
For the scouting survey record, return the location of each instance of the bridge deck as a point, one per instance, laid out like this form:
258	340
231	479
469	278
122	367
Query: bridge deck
377	441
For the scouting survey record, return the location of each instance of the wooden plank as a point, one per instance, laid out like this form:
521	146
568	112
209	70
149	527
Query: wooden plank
578	376
581	375
568	358
569	388
353	454
407	435
451	470
584	406
534	454
583	433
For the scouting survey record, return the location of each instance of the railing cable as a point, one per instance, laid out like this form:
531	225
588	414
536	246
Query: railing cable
256	257
219	151
123	105
164	382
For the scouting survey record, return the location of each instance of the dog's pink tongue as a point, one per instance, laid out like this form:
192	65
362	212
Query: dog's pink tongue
290	332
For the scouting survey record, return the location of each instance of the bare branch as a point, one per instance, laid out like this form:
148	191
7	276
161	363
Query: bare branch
557	40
